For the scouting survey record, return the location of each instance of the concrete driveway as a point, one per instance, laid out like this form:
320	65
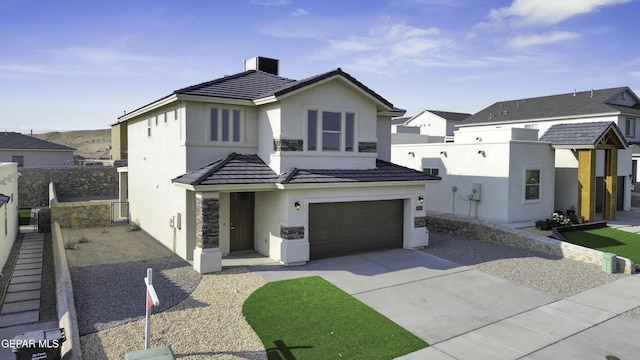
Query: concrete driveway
468	314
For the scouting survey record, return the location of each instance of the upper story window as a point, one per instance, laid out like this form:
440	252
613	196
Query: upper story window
532	185
330	130
149	127
225	125
630	127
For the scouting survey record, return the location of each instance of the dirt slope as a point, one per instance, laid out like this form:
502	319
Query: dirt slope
90	144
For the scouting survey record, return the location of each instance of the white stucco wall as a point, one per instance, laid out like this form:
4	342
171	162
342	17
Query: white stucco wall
8	212
334	95
566	163
276	208
429	124
37	158
498	167
153	161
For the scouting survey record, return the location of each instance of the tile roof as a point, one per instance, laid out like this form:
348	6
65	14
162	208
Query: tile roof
384	171
255	84
250	169
580	134
4	199
13	140
453	116
234	169
564	105
248	85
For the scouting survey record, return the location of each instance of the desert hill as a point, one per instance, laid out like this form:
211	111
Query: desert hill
89	144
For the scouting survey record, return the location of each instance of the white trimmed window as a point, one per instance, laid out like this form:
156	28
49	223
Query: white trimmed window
330	131
225	125
532	185
149	127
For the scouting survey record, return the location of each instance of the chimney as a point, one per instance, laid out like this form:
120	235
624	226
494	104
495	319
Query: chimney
263	64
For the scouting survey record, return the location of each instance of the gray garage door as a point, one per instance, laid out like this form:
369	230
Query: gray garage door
350	227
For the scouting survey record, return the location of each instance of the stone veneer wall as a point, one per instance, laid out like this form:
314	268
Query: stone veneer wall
497	233
82	214
70	182
207	223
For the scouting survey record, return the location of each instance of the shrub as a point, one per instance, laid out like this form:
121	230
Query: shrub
559	219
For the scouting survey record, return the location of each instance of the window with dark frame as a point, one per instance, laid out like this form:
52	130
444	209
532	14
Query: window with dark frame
630	127
330	131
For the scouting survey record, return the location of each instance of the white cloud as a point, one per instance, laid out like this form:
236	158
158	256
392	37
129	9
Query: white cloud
527	40
545	12
299	12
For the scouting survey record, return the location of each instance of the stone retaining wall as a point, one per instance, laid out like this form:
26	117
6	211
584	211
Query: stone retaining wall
82	214
70	182
497	233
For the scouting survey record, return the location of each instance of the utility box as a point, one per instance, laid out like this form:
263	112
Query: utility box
475	192
40	344
609	263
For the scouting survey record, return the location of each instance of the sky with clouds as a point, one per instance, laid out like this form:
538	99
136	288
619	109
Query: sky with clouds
73	65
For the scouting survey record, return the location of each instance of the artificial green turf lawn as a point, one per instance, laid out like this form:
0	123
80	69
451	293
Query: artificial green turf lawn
309	318
621	243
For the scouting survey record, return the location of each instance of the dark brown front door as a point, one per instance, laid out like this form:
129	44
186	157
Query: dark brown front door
242	220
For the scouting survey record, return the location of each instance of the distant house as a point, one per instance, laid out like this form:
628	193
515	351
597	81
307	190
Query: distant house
292	169
28	151
428	126
587	132
9	227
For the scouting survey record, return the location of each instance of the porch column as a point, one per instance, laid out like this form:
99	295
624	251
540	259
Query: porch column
609	203
587	184
207	256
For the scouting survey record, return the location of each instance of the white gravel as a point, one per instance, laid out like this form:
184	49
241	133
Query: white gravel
207	325
537	270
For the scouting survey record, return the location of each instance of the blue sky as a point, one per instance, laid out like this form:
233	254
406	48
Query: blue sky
74	65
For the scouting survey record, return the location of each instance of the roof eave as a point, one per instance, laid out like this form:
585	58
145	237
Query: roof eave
353	184
227	187
152	106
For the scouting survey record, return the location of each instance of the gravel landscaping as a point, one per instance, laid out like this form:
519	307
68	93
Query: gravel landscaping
537	270
201	316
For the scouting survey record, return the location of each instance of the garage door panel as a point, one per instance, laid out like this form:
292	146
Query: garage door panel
351	227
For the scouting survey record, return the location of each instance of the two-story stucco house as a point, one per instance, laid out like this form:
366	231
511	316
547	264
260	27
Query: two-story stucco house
429	126
291	169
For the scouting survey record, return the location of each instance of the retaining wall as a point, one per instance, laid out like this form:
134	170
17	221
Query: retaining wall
64	291
70	182
82	214
497	233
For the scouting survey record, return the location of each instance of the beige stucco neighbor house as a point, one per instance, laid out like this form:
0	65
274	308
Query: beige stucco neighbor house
28	151
518	160
292	169
9	227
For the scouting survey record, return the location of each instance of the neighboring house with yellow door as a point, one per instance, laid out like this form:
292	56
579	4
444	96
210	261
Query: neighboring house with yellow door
528	157
292	169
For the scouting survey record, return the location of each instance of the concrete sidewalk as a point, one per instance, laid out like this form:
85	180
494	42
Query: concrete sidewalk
468	314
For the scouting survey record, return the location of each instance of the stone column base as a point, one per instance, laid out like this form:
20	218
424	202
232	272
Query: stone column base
207	260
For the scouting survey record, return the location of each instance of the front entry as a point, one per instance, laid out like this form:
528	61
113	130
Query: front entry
242	221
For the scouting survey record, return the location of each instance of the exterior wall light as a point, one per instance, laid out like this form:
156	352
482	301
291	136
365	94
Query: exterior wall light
421	199
296	205
443	153
481	152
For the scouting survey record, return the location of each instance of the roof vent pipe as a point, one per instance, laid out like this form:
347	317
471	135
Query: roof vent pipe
592	93
574	92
